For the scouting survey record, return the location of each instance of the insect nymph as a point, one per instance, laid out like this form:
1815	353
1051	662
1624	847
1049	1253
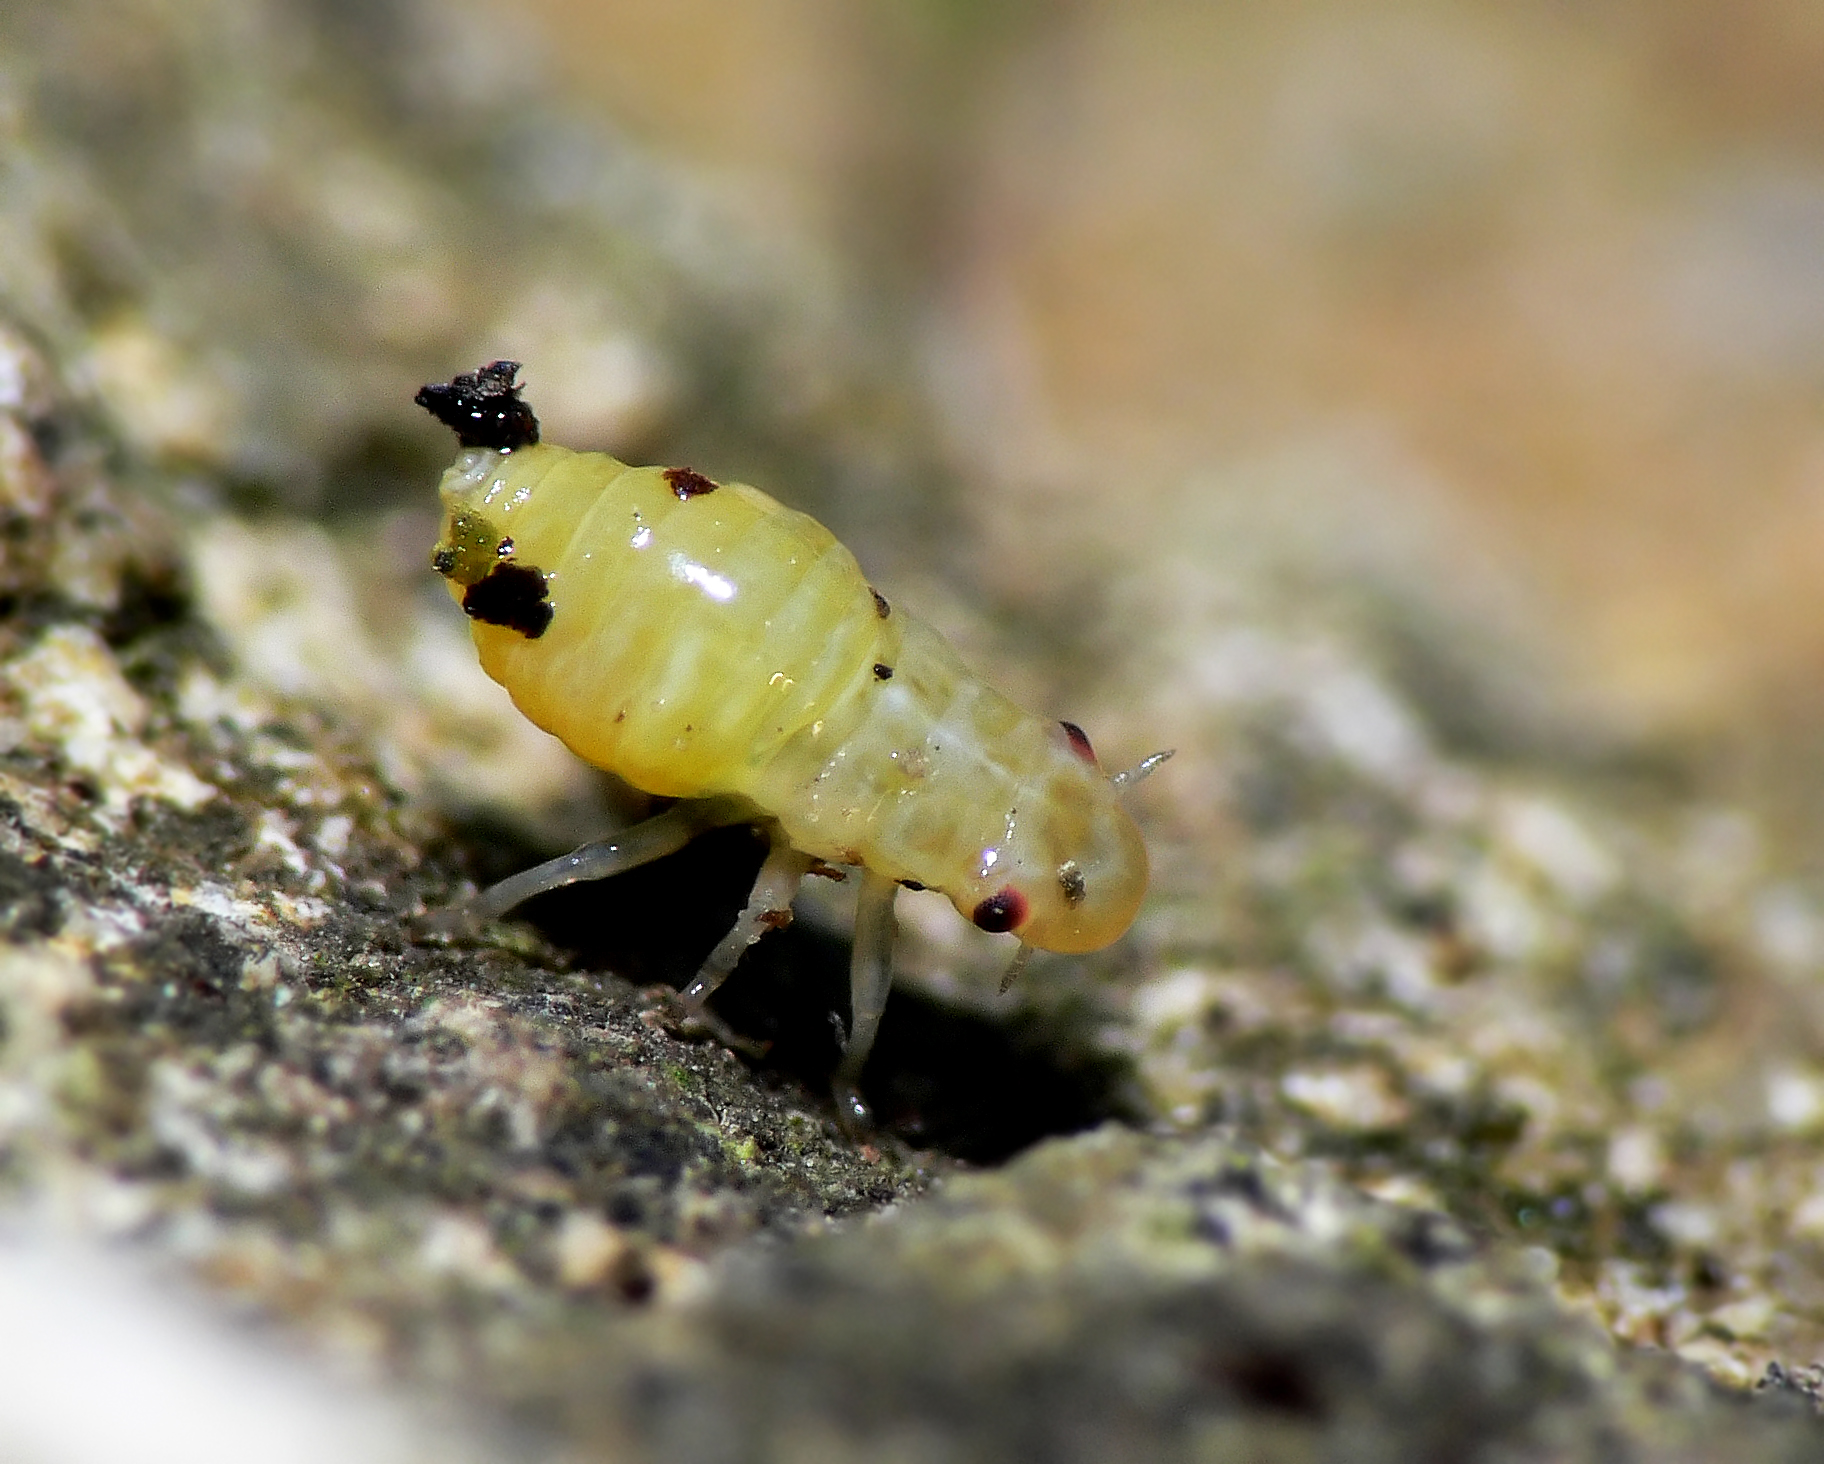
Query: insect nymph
707	644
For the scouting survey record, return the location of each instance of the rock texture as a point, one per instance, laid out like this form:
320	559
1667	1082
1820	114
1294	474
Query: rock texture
1451	1100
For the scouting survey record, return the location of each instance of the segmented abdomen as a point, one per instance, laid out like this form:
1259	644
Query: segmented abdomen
688	636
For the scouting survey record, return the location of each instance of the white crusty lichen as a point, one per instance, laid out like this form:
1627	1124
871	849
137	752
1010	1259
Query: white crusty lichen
290	604
73	699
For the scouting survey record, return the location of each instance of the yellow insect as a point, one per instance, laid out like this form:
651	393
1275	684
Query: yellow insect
707	644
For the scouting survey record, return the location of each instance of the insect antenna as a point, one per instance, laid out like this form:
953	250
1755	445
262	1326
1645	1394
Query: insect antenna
1143	769
1015	966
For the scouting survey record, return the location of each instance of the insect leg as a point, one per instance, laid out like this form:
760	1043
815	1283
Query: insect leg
641	844
768	908
1014	967
870	978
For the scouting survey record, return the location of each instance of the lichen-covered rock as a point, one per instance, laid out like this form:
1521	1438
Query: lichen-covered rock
1454	1058
1537	1002
1112	1296
478	1169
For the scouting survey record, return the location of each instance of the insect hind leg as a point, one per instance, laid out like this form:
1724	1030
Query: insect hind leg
769	907
870	980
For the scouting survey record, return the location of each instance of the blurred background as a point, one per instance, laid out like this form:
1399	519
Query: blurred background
1067	308
1545	280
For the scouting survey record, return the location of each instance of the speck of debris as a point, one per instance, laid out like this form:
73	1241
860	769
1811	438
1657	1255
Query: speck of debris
483	408
688	483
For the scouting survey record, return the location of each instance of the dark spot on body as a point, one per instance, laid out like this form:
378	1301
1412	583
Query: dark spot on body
483	408
1071	881
1079	742
882	672
190	953
1002	911
777	919
504	549
1242	1181
881	607
444	562
688	483
1709	1271
912	884
620	717
512	596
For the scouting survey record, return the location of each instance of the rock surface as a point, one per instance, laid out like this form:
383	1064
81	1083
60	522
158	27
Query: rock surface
1441	1106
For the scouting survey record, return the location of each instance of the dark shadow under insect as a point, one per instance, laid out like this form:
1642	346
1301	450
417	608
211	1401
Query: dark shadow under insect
939	1077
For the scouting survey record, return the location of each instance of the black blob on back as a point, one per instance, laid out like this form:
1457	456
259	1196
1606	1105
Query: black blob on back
513	596
482	407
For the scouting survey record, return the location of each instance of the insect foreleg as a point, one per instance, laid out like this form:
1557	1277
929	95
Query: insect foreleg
768	908
641	844
870	979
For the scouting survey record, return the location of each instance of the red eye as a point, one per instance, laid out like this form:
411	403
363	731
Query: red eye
1005	910
1079	742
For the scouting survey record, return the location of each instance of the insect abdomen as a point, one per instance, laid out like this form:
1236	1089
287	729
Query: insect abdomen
689	635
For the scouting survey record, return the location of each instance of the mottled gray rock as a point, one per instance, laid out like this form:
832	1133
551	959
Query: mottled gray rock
239	761
1114	1297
